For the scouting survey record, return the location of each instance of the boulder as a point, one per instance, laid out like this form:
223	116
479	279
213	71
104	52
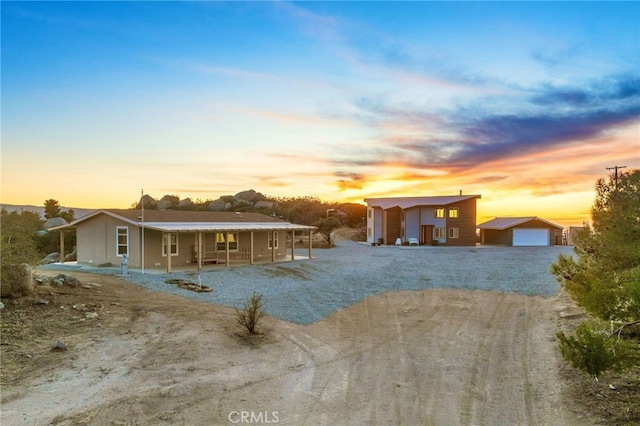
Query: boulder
22	282
51	258
186	203
71	257
53	222
148	201
246	195
164	205
217	205
264	204
241	203
69	280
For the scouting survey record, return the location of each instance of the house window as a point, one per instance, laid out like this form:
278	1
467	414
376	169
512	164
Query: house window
221	242
453	212
438	233
454	232
440	212
273	239
122	238
173	243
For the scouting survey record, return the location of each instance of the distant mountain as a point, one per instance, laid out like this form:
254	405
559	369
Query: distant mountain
40	209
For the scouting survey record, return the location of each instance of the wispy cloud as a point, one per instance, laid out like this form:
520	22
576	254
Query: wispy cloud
470	137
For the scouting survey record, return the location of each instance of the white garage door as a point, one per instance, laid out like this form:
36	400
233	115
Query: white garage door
530	237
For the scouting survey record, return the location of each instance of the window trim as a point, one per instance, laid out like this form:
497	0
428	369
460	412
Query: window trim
164	245
454	233
221	241
273	235
439	233
126	244
452	210
438	212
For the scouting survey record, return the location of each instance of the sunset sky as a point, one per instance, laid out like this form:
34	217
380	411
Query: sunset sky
523	103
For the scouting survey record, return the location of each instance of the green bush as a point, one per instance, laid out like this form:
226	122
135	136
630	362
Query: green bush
593	350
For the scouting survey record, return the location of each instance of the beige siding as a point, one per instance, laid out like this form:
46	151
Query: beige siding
97	241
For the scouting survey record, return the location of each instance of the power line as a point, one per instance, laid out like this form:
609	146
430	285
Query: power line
615	168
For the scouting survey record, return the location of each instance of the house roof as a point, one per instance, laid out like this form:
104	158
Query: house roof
502	223
408	202
193	221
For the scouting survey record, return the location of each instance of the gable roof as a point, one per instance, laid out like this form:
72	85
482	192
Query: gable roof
193	221
502	223
408	202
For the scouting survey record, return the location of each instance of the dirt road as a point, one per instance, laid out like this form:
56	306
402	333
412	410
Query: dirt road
434	357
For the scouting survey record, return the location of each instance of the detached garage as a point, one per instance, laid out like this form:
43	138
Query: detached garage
520	231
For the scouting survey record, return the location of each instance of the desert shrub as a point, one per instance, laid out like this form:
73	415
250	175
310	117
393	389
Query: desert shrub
251	313
594	350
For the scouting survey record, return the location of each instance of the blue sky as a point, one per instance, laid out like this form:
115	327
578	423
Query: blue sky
524	103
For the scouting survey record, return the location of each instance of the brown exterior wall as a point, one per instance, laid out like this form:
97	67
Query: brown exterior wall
496	236
505	237
394	225
465	222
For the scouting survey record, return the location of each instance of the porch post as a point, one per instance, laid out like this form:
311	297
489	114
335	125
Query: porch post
61	246
251	249
168	250
199	251
226	246
293	245
310	235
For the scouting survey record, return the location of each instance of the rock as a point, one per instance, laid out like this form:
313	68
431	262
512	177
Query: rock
71	257
41	302
51	258
263	205
22	282
186	203
59	346
91	315
69	280
53	222
164	205
148	201
1	305
42	280
57	281
217	205
246	195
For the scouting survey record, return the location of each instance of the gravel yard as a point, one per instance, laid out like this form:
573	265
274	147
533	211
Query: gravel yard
305	291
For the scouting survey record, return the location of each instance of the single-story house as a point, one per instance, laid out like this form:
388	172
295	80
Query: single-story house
142	239
447	220
520	231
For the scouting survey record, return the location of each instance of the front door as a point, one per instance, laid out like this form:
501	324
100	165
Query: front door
426	234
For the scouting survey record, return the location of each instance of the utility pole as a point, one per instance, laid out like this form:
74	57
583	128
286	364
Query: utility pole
615	178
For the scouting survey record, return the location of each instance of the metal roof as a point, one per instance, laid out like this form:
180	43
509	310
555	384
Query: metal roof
227	227
408	202
502	223
194	221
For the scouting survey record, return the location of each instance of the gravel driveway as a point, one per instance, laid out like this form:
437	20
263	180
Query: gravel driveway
306	291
